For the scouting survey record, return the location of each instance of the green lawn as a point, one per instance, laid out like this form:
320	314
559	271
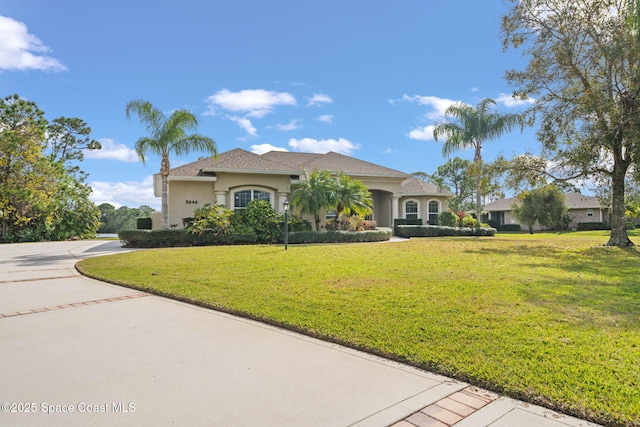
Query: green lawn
553	319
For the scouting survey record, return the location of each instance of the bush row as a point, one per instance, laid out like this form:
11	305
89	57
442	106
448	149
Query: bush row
584	226
332	236
508	227
143	223
441	230
181	238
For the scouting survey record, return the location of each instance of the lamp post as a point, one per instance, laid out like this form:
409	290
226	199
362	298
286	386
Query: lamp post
285	205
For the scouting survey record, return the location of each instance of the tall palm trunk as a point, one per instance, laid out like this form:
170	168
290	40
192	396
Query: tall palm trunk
164	174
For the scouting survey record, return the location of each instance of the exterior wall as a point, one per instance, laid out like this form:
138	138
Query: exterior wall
191	193
581	215
423	206
185	197
156	220
577	216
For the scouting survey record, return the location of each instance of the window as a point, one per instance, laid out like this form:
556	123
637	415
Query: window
242	198
589	212
411	210
434	210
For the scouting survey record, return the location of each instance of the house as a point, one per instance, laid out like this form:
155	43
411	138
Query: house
581	209
238	176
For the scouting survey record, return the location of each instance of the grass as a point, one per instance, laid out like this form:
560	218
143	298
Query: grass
553	319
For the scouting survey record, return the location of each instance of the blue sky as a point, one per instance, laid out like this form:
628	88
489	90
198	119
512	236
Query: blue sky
363	78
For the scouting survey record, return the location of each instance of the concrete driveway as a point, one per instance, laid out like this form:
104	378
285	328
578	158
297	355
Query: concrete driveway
76	351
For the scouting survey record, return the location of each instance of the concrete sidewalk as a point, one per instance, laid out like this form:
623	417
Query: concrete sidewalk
76	351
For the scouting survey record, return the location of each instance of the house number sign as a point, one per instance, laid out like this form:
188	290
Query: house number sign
191	202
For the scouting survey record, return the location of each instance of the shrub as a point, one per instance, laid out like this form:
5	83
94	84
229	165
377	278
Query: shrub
266	223
494	224
378	235
509	227
179	238
584	226
214	219
295	223
630	225
346	223
369	225
143	223
468	221
403	221
448	219
442	231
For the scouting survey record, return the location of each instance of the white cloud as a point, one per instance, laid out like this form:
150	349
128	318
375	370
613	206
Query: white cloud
319	99
326	118
252	102
265	148
389	151
112	150
438	105
310	145
20	50
130	193
245	124
422	134
474	89
292	125
509	101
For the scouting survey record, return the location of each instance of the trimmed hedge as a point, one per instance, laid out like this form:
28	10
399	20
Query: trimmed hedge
333	236
402	221
143	223
180	238
441	231
584	226
509	227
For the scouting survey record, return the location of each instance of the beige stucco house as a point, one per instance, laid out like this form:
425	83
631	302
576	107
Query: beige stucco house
581	209
236	177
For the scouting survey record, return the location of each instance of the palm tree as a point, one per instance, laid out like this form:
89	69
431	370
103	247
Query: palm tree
474	127
314	193
167	134
352	196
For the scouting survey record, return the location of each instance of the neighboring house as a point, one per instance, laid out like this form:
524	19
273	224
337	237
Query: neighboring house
581	209
236	177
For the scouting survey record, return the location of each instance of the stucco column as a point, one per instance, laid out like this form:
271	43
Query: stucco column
395	204
282	197
221	198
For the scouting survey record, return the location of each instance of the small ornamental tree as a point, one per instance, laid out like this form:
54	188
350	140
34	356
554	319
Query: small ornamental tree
543	205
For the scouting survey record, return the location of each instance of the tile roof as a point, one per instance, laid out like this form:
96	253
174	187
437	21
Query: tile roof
580	201
417	186
334	162
237	160
285	162
572	200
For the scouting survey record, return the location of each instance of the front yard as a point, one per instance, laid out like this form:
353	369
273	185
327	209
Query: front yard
553	319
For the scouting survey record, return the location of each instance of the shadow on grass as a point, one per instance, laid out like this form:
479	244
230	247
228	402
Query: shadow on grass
594	285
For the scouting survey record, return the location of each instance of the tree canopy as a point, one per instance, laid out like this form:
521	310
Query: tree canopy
472	126
326	190
584	73
544	205
42	189
167	135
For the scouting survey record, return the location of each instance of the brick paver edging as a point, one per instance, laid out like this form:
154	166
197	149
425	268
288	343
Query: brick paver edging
75	304
450	410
